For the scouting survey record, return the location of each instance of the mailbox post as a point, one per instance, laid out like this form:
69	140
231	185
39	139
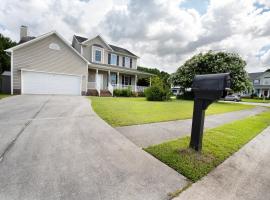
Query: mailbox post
207	89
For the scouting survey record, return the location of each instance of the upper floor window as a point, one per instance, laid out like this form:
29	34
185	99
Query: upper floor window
97	54
256	82
266	80
127	62
113	59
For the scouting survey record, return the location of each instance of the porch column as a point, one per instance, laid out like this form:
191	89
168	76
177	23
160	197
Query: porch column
136	82
118	80
96	77
109	77
150	81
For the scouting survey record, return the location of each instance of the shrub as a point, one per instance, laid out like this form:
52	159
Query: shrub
158	91
123	92
140	94
155	93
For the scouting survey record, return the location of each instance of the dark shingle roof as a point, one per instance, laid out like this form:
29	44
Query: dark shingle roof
26	39
253	76
80	39
121	50
115	48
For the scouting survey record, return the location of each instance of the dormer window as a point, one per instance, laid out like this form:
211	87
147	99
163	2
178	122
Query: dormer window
97	54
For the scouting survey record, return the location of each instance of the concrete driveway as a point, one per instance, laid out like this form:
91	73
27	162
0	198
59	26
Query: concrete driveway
56	147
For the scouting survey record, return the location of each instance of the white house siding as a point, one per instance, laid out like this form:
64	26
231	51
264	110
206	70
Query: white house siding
39	57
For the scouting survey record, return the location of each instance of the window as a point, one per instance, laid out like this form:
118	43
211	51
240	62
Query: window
113	79
98	56
256	82
113	59
266	80
127	62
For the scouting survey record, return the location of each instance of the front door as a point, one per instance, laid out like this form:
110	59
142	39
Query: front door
100	81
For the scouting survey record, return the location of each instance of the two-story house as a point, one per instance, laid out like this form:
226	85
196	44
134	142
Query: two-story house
48	64
261	83
110	66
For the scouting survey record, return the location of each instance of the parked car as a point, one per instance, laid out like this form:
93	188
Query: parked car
232	97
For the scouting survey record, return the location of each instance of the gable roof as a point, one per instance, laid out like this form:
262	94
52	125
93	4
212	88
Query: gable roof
80	39
98	36
117	49
42	37
255	75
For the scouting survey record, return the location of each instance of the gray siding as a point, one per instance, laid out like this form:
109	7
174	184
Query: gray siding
87	52
39	57
76	45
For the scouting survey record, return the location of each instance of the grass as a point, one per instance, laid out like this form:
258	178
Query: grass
4	95
255	100
130	111
218	144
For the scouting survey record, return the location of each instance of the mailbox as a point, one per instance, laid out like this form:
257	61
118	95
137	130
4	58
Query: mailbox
207	88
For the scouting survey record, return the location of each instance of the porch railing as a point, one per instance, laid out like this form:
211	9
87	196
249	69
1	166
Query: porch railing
111	87
133	87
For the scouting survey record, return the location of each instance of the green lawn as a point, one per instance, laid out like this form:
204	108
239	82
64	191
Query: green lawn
255	100
218	144
4	95
129	111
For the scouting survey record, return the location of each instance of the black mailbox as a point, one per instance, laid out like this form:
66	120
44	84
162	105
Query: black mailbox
207	89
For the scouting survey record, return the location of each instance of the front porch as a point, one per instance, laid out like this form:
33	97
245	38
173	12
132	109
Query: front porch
103	82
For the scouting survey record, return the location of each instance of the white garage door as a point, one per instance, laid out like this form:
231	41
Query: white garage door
48	83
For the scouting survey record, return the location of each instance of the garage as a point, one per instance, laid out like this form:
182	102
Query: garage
50	83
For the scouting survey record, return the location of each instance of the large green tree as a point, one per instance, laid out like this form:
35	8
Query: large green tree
5	43
210	63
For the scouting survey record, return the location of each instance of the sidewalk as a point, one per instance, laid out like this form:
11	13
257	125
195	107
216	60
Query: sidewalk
243	176
155	133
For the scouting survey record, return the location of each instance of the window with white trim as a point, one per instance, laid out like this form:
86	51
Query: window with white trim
113	59
97	54
127	62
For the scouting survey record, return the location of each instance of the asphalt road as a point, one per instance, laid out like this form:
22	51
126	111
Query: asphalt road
56	147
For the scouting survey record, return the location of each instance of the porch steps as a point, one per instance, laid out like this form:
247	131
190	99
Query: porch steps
105	93
92	93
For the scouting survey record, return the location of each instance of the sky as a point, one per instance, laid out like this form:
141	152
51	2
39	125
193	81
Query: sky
163	33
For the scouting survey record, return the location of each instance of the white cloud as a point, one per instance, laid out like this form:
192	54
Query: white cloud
162	33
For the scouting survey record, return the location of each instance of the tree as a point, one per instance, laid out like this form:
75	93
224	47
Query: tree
5	43
164	76
210	63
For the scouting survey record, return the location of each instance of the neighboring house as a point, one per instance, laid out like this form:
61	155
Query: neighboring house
261	83
48	64
176	90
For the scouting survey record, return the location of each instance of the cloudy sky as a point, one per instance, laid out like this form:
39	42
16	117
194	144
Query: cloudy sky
164	33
